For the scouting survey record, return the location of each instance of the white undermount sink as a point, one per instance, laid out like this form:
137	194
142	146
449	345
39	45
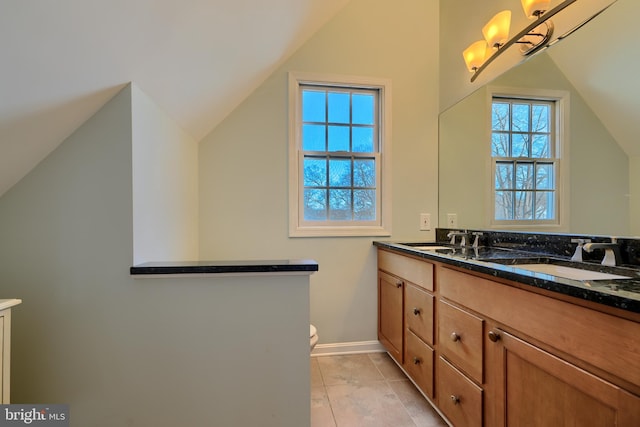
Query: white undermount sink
430	248
568	272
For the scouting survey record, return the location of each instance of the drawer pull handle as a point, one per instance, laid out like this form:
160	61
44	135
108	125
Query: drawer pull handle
455	399
398	284
494	336
455	337
416	361
416	311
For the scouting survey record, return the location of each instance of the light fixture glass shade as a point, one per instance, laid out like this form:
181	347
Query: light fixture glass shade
535	8
475	54
496	32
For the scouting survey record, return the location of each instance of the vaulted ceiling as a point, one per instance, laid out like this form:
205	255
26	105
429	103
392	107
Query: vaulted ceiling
601	60
197	59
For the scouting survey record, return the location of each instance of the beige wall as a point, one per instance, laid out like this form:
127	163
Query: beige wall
145	352
165	185
634	194
243	162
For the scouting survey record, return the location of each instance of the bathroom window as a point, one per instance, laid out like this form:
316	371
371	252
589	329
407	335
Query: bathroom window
338	149
527	150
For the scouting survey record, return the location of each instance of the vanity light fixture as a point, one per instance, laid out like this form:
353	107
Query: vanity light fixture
496	33
475	55
535	8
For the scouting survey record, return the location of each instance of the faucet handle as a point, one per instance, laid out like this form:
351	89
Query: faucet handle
612	254
577	255
477	235
453	234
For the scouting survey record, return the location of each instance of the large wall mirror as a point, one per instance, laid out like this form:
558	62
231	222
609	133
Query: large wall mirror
597	67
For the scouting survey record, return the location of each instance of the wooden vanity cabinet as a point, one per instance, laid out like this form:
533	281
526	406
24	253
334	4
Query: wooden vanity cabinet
496	354
547	362
406	305
536	387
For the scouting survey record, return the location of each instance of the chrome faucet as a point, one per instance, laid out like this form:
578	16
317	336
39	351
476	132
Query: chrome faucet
476	241
577	256
611	251
463	237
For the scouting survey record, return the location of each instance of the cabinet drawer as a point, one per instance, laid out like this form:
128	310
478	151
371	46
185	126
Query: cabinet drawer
460	339
458	397
412	270
419	362
418	309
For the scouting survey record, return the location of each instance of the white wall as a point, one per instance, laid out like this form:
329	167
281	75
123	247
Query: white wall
243	162
165	185
128	352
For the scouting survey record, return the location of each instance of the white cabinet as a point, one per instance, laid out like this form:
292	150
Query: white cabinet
5	343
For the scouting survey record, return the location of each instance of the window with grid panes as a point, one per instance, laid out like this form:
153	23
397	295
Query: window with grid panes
339	148
525	160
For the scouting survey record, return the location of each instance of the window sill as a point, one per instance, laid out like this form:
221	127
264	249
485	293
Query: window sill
349	231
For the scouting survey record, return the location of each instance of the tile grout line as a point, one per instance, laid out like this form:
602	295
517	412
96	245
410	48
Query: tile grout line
393	390
326	393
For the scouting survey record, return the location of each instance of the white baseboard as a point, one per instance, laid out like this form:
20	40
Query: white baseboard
348	348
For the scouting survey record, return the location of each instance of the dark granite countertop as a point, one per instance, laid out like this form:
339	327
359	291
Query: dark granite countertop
289	266
619	293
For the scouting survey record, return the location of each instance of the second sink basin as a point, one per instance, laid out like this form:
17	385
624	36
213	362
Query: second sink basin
431	248
569	272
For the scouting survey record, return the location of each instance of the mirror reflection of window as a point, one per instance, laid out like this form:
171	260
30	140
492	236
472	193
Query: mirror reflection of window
524	160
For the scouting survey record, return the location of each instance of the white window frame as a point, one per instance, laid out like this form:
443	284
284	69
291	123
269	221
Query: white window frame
297	226
562	139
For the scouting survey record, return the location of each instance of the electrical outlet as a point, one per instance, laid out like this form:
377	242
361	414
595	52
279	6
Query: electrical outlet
425	221
452	220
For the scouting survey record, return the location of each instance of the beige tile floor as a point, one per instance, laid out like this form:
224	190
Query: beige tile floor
366	390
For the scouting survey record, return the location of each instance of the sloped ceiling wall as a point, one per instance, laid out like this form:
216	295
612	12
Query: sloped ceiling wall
601	60
197	59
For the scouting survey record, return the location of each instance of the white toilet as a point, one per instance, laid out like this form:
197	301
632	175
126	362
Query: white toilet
313	335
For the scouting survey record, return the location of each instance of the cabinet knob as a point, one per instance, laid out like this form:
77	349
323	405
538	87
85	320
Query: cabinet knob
455	399
416	311
398	284
455	337
493	336
416	361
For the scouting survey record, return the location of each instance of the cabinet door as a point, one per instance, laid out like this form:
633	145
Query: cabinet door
535	388
390	314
